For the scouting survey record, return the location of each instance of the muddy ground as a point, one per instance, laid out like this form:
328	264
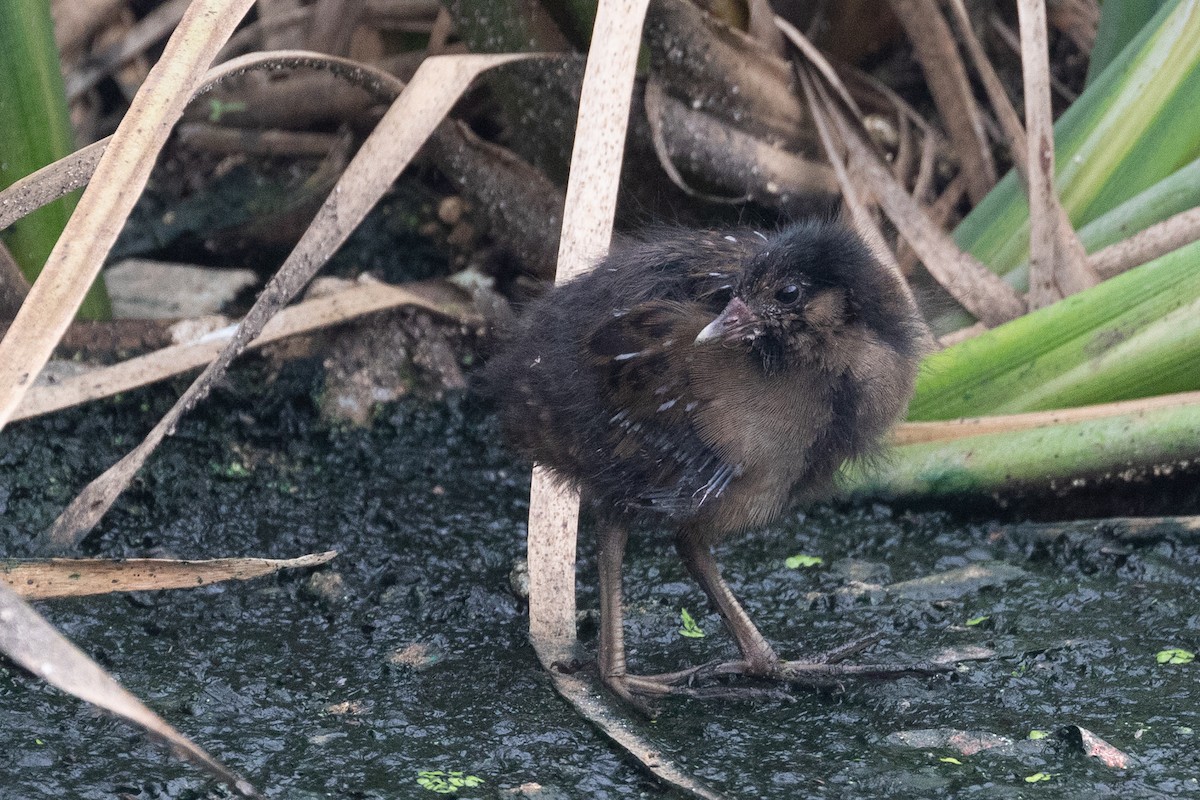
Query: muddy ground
408	653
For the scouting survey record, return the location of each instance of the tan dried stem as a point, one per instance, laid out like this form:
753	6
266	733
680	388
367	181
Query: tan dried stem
1058	264
1070	258
946	77
863	221
979	290
1157	240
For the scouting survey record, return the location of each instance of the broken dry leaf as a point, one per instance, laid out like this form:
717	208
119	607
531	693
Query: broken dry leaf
1096	747
120	174
30	641
42	579
405	127
304	317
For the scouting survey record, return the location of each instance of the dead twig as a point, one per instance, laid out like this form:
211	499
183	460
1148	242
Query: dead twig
51	578
403	130
1058	264
33	643
979	290
254	141
947	79
1157	240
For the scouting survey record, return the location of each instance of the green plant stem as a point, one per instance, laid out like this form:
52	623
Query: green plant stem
35	130
1033	458
1130	336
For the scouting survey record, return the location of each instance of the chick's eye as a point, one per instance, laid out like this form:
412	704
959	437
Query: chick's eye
788	294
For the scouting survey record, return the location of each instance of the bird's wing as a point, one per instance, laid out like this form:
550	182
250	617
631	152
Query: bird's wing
643	355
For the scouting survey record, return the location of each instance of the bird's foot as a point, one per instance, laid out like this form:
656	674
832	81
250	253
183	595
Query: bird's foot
638	690
821	671
826	669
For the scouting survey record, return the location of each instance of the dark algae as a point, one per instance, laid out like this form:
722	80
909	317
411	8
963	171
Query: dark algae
415	661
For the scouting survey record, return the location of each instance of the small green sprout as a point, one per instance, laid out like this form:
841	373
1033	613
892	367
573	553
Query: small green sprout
973	621
1175	655
1036	734
950	760
801	560
1038	777
234	470
690	629
218	108
446	782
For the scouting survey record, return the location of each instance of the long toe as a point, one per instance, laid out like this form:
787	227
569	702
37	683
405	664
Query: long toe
821	673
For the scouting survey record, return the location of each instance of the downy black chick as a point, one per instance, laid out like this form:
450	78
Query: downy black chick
708	381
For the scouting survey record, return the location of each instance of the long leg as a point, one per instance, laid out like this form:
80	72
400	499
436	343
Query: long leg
759	657
610	553
611	537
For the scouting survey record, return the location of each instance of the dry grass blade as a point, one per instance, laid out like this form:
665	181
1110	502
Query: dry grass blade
939	212
864	222
1058	264
28	640
1068	250
591	204
50	183
978	289
322	312
1157	240
621	732
951	90
997	96
923	183
818	60
122	172
949	430
405	127
45	579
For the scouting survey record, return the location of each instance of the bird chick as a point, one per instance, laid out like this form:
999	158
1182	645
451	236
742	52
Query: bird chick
708	381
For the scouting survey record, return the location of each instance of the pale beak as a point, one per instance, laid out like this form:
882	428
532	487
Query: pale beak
735	320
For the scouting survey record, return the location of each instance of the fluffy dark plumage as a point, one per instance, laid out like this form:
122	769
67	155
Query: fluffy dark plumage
603	382
708	380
